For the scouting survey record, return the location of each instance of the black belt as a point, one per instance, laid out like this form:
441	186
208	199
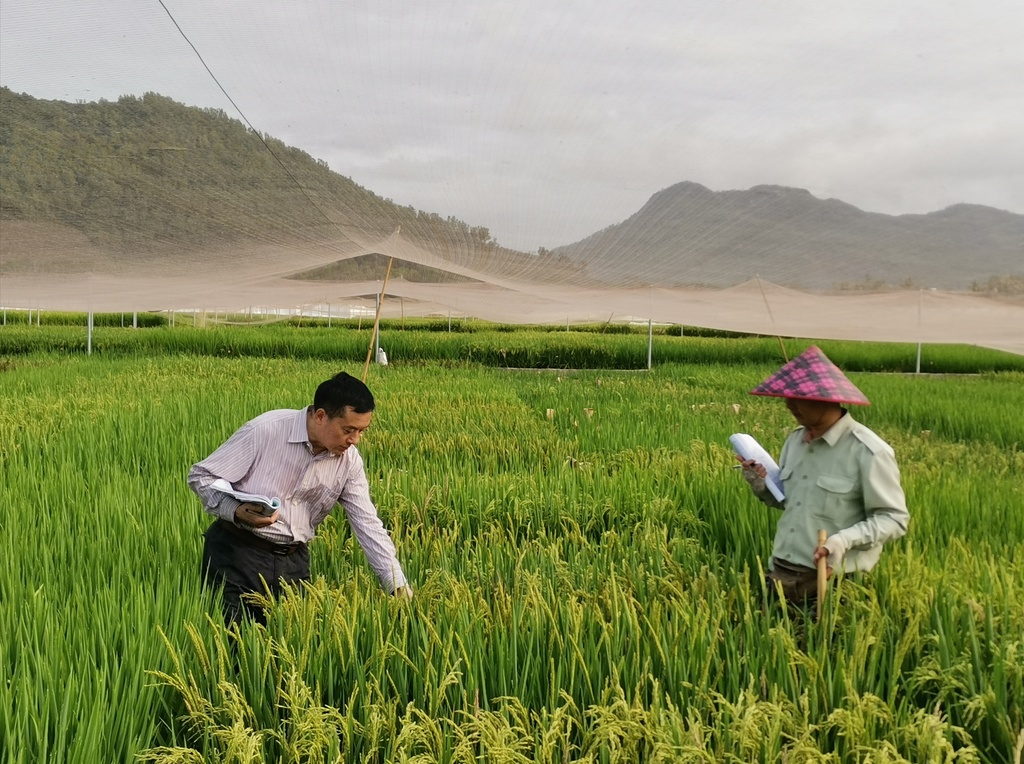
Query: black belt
251	539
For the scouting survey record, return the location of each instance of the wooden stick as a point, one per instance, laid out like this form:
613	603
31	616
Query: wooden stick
376	319
782	347
822	572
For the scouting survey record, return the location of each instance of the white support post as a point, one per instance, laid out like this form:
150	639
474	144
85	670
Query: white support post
650	342
88	344
920	299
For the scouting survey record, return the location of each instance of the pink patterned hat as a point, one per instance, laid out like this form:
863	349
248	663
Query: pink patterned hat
811	376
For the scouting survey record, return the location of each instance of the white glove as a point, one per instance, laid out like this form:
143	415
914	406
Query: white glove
836	546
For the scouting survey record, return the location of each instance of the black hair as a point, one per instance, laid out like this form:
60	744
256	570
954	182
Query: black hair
343	391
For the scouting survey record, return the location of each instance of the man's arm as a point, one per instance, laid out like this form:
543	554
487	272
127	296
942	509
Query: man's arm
369	531
884	504
755	474
232	462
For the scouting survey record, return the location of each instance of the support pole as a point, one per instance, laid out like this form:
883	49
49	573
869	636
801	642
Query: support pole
920	298
376	320
822	572
650	342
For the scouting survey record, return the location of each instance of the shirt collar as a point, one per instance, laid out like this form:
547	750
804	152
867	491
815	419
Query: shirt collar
298	433
841	427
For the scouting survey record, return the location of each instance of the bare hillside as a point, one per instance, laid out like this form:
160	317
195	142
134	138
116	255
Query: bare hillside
688	234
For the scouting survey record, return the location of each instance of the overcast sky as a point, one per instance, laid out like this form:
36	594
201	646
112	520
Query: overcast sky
547	120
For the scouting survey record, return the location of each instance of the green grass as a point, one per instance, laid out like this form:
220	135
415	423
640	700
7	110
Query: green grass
588	583
492	345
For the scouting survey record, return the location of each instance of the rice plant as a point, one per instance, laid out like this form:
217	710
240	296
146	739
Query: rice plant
588	574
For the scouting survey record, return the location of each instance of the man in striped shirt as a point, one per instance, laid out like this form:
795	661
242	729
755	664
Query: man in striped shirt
308	459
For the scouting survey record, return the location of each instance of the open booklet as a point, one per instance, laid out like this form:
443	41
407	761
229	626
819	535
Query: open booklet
747	448
271	505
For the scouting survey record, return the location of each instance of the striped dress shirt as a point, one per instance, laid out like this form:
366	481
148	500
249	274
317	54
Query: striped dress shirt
271	455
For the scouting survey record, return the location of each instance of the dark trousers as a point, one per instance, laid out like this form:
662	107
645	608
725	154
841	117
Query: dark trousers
799	583
239	562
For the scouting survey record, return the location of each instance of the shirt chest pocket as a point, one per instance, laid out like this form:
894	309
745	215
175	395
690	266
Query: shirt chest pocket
841	500
316	496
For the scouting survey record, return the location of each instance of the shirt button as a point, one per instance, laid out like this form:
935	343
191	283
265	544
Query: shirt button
804	477
799	503
792	530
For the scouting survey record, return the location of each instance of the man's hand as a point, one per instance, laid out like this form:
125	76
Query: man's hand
402	593
250	514
820	552
833	551
753	473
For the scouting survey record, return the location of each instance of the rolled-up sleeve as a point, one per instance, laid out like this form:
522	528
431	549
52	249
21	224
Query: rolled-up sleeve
369	530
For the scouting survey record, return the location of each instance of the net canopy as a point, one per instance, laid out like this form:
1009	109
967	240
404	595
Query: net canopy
520	163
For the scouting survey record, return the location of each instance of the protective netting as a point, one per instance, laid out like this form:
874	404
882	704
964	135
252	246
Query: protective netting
508	162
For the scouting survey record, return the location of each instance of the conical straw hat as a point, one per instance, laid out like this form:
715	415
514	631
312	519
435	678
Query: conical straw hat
811	376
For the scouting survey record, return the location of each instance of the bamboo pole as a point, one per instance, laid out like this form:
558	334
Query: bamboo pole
782	347
822	572
376	320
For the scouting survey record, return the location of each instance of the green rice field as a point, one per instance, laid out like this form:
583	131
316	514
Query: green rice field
587	565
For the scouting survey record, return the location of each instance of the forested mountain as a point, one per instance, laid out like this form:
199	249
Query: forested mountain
146	175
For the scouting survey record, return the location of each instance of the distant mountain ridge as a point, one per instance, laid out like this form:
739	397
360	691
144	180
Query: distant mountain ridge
689	234
97	186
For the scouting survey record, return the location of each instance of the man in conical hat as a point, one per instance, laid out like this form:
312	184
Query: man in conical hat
837	475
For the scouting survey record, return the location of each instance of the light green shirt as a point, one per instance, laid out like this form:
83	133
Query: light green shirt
846	483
